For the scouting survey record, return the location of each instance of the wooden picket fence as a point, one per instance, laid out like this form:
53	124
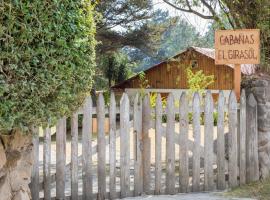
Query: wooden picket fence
197	166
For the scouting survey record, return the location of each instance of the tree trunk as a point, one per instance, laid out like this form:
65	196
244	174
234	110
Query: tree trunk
15	166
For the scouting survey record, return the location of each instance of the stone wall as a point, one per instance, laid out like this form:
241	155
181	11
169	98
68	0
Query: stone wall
15	166
260	87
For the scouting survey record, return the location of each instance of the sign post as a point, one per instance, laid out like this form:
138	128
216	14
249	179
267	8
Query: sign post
237	47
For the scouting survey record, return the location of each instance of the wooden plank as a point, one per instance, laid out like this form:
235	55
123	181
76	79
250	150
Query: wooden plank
35	170
233	153
101	148
242	139
197	141
74	156
124	146
60	158
146	123
170	146
221	184
87	150
208	143
138	171
112	146
158	146
252	140
183	146
47	163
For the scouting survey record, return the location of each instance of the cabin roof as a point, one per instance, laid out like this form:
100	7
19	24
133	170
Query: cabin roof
246	69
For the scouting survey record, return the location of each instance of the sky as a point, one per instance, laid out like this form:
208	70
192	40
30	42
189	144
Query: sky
199	23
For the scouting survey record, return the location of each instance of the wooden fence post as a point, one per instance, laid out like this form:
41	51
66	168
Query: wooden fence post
101	148
170	146
112	146
221	184
146	120
197	143
35	171
208	143
87	149
138	171
124	146
60	159
158	146
233	152
252	140
242	139
74	156
47	163
183	144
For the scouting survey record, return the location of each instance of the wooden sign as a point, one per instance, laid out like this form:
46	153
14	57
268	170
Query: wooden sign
237	46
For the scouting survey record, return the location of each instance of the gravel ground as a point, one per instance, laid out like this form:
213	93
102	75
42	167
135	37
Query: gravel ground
193	196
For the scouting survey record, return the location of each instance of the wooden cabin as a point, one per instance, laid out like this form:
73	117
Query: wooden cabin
170	75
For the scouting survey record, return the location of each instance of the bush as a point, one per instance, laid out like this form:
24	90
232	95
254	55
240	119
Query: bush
46	60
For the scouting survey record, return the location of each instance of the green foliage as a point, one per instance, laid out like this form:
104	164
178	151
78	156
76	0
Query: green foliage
46	60
198	81
116	67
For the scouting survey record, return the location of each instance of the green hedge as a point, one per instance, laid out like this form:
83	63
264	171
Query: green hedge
47	59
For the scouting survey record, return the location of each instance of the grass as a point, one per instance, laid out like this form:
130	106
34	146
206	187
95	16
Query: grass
258	190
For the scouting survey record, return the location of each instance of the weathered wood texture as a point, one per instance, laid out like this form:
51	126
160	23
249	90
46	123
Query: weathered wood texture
124	146
242	139
197	142
221	184
233	153
74	156
146	120
252	140
47	163
112	146
34	186
60	158
183	146
208	143
87	150
101	148
138	168
170	146
158	145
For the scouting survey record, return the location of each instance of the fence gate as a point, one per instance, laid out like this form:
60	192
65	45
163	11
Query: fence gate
147	146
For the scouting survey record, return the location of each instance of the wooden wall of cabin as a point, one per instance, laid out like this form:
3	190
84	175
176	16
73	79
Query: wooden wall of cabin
173	75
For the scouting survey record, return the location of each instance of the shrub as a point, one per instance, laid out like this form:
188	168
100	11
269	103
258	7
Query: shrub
46	60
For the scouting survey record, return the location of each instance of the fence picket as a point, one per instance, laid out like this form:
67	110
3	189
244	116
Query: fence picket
170	146
197	143
124	146
47	163
252	140
35	170
60	158
183	138
87	149
233	160
138	177
158	146
221	184
101	148
74	157
112	147
242	139
208	142
146	123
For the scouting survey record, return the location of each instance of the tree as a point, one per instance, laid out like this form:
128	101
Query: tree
127	23
236	14
116	67
47	59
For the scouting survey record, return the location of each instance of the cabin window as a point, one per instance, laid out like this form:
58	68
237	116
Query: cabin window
194	64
